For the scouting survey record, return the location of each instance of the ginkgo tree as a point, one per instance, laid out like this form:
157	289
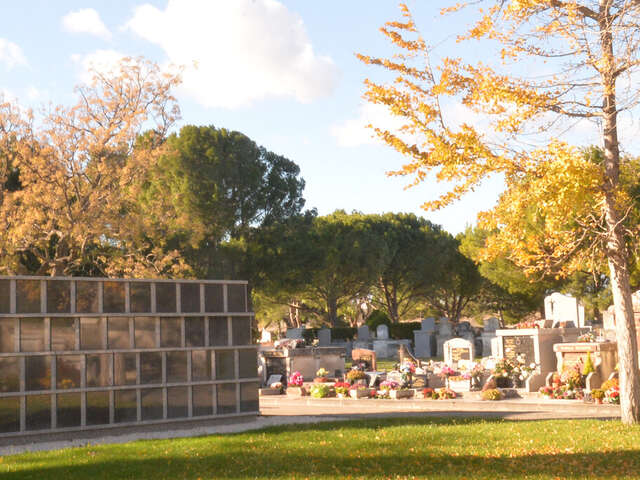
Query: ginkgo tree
585	56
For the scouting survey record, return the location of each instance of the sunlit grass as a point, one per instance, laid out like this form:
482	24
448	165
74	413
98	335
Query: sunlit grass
376	448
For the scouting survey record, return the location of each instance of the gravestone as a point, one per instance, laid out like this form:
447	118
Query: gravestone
424	342
488	334
456	350
564	308
274	379
445	332
324	337
363	333
382	332
464	330
362	355
428	324
295	333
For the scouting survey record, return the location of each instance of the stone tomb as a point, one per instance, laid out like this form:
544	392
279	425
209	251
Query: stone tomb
603	355
488	334
424	340
445	332
307	361
535	345
385	347
457	350
564	308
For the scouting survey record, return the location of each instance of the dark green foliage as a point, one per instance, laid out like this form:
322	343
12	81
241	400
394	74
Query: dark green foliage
403	331
378	317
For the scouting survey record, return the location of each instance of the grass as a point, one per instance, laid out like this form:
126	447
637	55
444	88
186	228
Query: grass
377	448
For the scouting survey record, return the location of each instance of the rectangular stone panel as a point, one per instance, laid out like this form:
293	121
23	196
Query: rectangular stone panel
241	329
124	369
248	363
226	398
9	414
7	335
150	367
92	333
170	332
38	413
151	403
177	402
119	335
5	296
37	373
68	371
194	331
140	297
249	397
98	374
218	331
200	365
98	408
113	297
166	297
87	297
213	298
58	296
190	297
202	400
32	335
236	298
28	296
225	369
176	367
68	412
63	334
145	328
125	406
9	374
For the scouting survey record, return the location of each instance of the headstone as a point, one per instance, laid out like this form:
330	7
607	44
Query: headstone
424	343
265	337
445	333
368	357
363	333
458	349
564	308
382	332
274	379
428	324
491	324
463	328
295	333
324	337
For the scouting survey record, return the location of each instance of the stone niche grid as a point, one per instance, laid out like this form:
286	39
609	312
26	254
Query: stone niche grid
87	353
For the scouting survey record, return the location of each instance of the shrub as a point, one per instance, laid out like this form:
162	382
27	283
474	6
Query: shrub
343	333
378	317
492	394
403	331
320	390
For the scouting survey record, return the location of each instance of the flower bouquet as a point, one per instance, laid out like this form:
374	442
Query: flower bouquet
321	376
342	389
295	386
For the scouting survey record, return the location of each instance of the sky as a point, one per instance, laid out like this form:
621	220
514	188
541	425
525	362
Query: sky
282	72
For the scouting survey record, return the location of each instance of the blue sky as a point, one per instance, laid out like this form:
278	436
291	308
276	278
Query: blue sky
282	72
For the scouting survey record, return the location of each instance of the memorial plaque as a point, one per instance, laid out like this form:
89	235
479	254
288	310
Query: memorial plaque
515	345
460	354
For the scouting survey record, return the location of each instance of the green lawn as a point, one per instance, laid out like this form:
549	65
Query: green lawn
376	448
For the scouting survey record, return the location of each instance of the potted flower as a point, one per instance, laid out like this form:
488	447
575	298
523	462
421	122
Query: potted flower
356	376
342	389
598	395
446	394
321	376
358	390
320	390
503	372
428	393
295	386
492	394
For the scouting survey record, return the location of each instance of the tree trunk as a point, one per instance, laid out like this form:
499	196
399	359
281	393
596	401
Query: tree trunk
332	311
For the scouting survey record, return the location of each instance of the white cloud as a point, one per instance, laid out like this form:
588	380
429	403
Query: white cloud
11	54
237	52
354	132
85	20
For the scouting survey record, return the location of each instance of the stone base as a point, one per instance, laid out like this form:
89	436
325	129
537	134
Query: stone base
270	391
401	394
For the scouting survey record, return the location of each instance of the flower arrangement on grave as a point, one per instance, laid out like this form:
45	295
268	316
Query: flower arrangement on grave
320	390
389	385
588	337
525	324
296	379
354	375
276	386
358	390
546	391
503	368
342	388
597	394
492	394
321	376
446	394
611	391
571	376
428	393
446	371
407	370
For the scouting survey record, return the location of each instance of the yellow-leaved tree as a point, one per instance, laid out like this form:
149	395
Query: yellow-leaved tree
561	210
80	171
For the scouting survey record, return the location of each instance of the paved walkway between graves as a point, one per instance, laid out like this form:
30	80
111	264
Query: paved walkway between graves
283	410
